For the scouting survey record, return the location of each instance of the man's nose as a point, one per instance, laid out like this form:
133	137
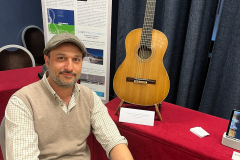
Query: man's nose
69	65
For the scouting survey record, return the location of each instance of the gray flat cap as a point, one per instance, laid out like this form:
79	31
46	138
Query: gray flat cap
61	38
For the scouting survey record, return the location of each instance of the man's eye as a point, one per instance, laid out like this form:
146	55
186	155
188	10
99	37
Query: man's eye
60	58
77	59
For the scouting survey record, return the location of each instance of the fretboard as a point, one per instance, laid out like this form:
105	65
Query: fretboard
148	23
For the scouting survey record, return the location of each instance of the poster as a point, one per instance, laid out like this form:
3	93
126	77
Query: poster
90	21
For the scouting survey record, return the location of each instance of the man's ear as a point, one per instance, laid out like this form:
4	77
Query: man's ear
46	58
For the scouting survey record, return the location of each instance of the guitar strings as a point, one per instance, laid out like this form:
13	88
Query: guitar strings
149	36
145	47
139	52
142	44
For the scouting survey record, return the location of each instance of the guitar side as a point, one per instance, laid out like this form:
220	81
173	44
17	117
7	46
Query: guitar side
151	68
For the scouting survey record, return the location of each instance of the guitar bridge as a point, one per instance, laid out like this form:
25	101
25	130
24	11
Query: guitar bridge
140	80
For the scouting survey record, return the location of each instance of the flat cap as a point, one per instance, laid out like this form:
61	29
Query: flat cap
61	38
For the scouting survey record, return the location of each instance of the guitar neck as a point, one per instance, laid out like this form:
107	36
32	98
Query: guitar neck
148	23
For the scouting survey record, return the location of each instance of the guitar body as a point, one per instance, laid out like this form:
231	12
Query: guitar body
143	81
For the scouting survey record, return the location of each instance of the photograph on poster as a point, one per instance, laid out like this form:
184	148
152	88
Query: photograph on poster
100	94
60	21
94	56
92	79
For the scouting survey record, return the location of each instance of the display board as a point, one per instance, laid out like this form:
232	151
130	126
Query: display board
90	21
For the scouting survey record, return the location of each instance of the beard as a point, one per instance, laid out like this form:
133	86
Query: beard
59	81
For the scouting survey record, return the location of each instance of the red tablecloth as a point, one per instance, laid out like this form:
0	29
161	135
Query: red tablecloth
13	80
171	138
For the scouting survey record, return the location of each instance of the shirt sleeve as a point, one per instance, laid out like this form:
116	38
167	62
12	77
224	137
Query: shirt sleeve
103	127
21	138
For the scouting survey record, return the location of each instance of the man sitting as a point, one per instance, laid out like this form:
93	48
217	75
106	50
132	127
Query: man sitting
52	118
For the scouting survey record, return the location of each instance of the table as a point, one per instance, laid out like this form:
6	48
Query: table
171	138
13	80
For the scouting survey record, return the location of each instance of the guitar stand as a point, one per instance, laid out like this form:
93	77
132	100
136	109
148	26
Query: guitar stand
156	108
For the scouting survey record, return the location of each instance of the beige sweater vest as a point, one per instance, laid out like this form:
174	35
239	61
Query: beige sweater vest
60	135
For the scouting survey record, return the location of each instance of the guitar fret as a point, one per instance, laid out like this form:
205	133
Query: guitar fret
148	23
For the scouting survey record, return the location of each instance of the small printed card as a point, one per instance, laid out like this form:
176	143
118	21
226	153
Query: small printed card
199	131
137	116
236	155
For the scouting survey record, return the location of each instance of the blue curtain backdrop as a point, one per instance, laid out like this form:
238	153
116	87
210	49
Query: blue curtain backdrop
222	89
188	27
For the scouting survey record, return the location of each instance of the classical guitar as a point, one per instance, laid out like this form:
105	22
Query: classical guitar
141	78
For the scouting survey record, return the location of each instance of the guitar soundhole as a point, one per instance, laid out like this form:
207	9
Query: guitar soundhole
144	52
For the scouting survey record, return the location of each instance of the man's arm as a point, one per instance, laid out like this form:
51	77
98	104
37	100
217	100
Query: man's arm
106	132
21	138
120	152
